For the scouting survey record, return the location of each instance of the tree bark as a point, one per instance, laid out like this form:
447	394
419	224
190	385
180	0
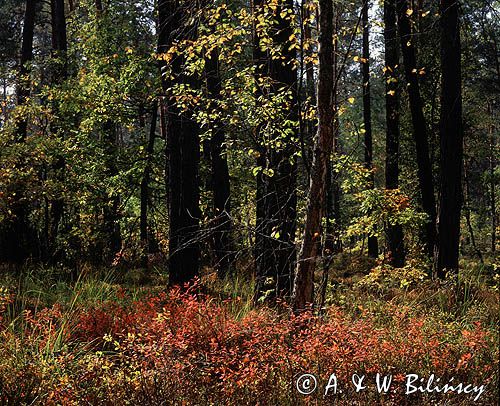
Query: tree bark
277	199
16	240
424	165
220	183
184	152
492	166
303	291
394	233
333	243
24	84
451	140
146	175
367	112
59	74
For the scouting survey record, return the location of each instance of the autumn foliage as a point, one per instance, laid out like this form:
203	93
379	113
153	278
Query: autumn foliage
187	348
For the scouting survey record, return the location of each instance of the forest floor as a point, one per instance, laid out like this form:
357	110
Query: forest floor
118	338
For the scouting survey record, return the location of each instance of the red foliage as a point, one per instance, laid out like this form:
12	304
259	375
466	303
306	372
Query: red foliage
188	347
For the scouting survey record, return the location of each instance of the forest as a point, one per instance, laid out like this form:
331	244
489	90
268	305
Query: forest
253	202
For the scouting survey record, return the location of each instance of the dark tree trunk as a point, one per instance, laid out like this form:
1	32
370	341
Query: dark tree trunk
59	36
492	166
451	140
395	240
184	153
111	217
24	83
16	239
333	243
424	166
367	112
303	290
493	155
219	183
59	74
467	212
277	199
146	175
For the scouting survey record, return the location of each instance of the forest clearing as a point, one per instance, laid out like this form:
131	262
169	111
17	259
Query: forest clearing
256	202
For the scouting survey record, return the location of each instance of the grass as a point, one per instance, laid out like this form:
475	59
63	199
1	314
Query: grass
108	329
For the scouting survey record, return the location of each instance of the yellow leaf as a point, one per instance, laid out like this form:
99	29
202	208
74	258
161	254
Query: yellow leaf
409	12
391	92
356	58
351	100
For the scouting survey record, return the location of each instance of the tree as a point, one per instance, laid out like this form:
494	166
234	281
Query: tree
146	176
183	148
276	184
220	182
394	232
17	236
59	74
303	290
451	140
424	166
367	112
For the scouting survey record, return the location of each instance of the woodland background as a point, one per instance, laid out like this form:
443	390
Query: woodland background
228	194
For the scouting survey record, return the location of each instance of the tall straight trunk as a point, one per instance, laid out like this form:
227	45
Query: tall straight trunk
303	290
111	216
277	198
367	112
146	175
184	152
310	92
24	84
261	62
467	211
16	239
336	188
492	166
59	35
424	165
395	240
451	140
333	243
220	183
59	74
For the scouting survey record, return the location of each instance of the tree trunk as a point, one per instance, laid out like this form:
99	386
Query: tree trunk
424	165
333	243
16	241
24	84
395	240
277	199
303	291
451	140
467	212
184	153
146	174
59	74
219	183
367	112
492	166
